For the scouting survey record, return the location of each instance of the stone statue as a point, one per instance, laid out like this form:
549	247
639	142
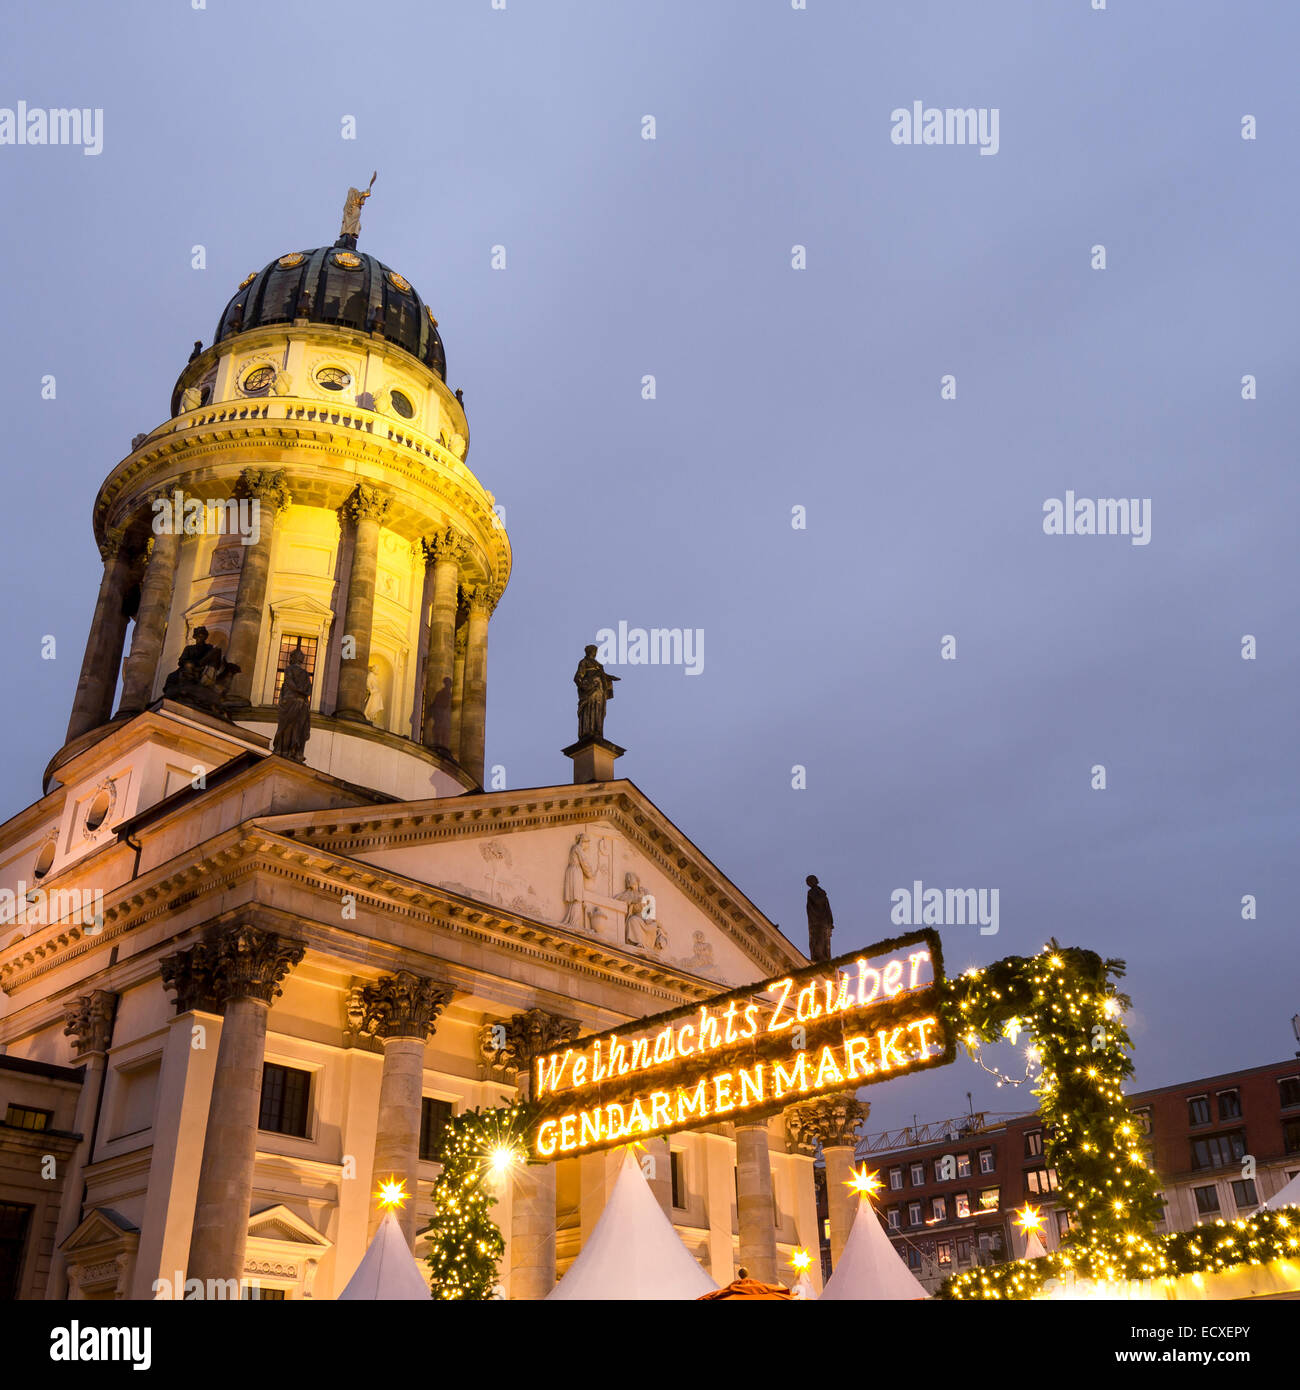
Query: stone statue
632	895
820	922
281	384
595	687
293	724
191	399
198	349
374	700
355	201
576	875
202	677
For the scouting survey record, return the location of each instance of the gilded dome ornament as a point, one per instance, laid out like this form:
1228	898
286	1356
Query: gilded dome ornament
432	320
347	259
292	259
400	282
248	279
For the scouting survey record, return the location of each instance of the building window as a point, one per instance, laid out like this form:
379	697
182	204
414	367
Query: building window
1198	1110
986	1160
1066	1221
434	1115
826	1229
1244	1195
678	1178
1289	1091
990	1198
23	1117
1034	1144
962	1201
13	1240
944	1252
285	1092
939	1209
1229	1105
1142	1118
893	1217
941	1168
287	644
963	1165
1218	1150
1207	1200
1040	1180
914	1213
963	1252
1291	1136
913	1257
918	1175
896	1179
257	1294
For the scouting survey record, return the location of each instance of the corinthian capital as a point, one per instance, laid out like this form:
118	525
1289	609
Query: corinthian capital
266	485
242	962
368	504
518	1042
483	595
446	545
110	545
404	1005
831	1121
89	1021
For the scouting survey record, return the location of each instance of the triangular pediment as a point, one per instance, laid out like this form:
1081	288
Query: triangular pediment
598	862
279	1224
101	1226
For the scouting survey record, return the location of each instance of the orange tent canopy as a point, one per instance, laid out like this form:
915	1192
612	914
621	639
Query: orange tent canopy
749	1288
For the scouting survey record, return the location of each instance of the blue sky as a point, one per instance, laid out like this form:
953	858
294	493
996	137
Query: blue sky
776	388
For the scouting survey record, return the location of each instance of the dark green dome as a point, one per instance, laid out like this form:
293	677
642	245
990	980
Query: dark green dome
335	284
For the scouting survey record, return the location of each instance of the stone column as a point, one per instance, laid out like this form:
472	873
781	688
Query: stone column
445	553
265	488
831	1122
515	1045
458	686
238	972
754	1211
368	507
93	704
89	1023
401	1010
482	599
141	669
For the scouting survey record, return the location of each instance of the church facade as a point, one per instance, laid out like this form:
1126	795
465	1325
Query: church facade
264	929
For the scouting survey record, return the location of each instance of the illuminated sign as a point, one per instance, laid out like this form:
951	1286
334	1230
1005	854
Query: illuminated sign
845	1023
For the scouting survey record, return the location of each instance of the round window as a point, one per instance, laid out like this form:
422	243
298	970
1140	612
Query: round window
402	404
334	378
258	381
99	809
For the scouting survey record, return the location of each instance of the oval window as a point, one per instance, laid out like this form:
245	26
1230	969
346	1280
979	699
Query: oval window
334	378
44	859
99	808
258	381
402	404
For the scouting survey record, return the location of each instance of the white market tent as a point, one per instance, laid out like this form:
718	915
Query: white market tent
869	1267
1288	1197
388	1271
633	1252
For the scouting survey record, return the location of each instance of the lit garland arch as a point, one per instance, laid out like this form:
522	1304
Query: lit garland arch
1066	999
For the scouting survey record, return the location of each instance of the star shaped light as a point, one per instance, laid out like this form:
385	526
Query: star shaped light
392	1194
1029	1220
801	1261
863	1183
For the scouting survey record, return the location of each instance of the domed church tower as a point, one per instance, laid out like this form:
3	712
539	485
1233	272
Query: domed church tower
309	491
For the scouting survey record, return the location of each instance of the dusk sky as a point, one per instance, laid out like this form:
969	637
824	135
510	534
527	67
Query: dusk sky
776	388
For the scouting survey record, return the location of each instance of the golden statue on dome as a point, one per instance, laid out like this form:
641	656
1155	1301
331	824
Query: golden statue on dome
352	206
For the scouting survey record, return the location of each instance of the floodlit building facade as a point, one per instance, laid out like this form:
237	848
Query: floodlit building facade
239	989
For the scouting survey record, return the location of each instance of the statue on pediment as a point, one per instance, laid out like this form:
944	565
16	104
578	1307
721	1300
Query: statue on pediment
595	689
293	719
820	921
202	677
579	872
